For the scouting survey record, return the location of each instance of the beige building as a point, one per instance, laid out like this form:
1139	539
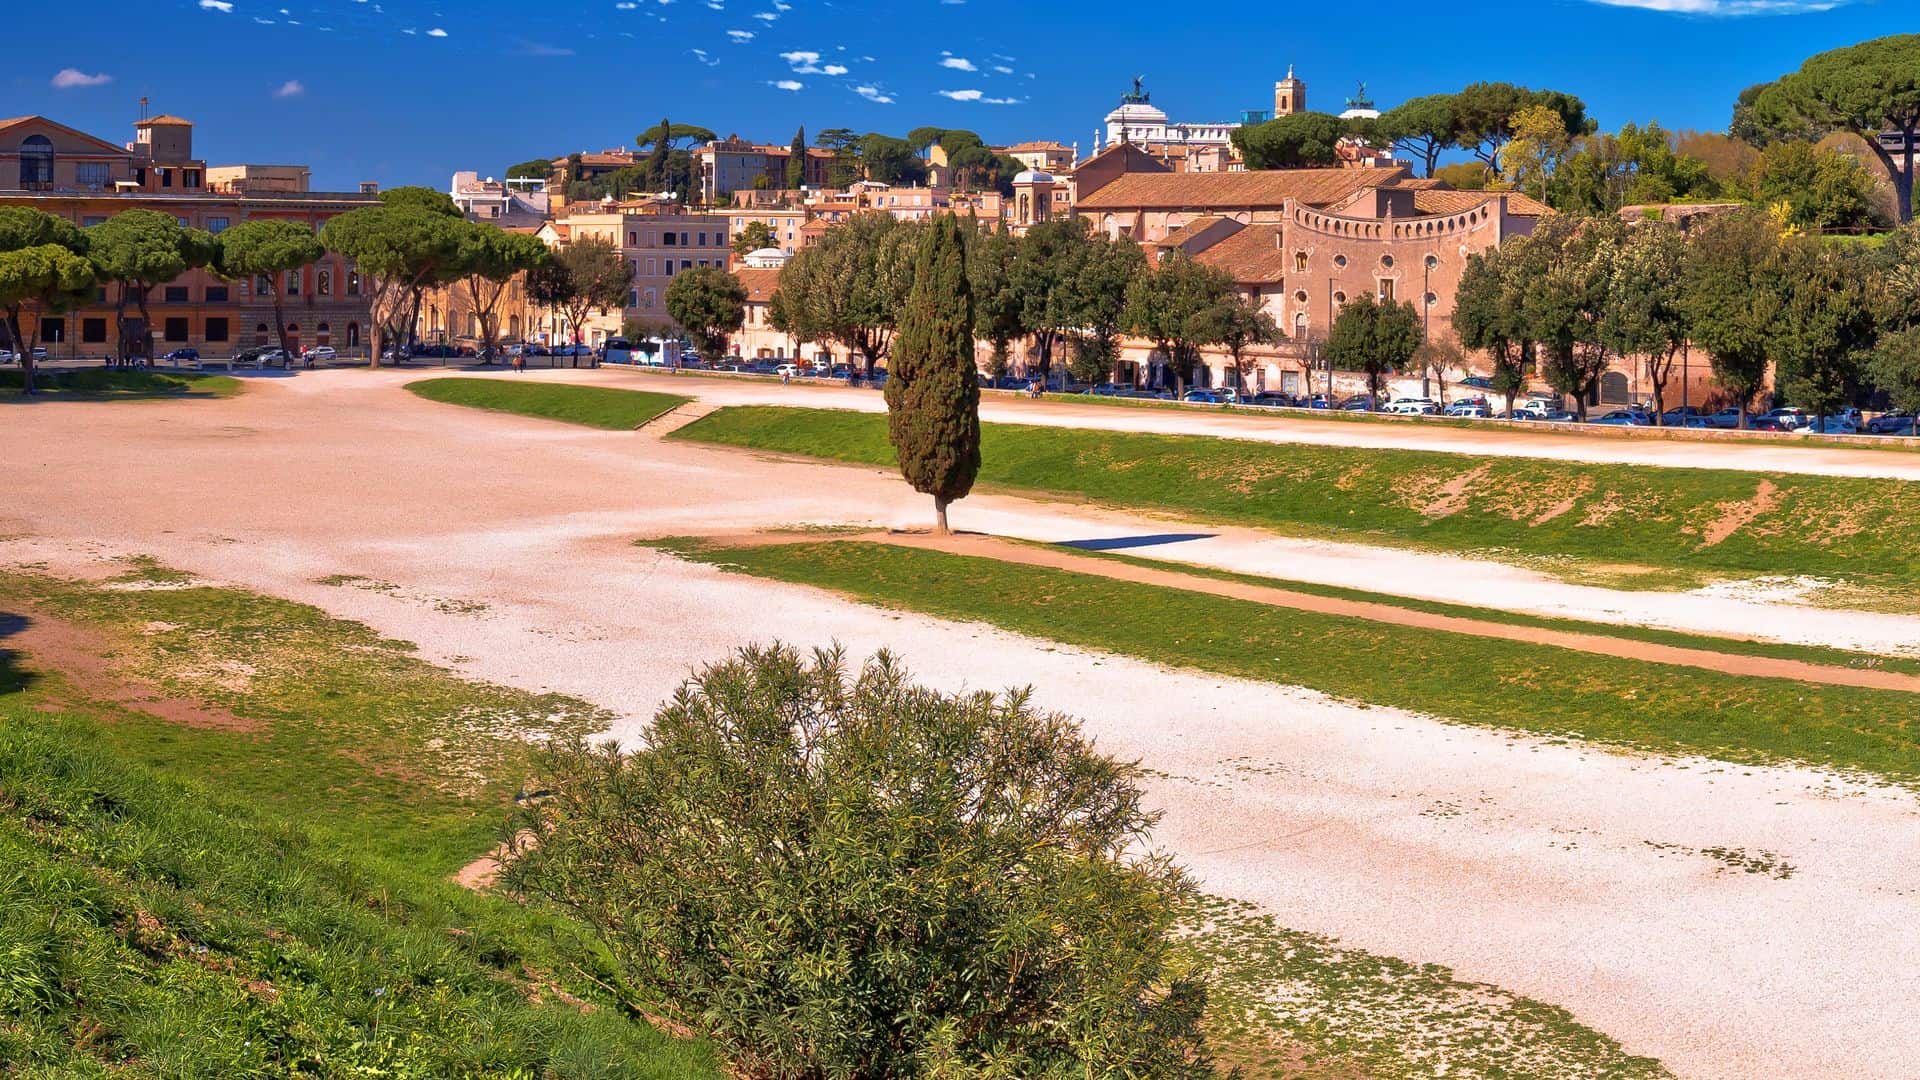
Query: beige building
240	179
657	241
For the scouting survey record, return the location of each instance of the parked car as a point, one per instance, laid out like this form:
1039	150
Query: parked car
1625	418
247	358
1204	397
1478	382
1694	422
273	355
1673	417
181	356
1725	418
1791	418
1319	401
1109	389
1766	423
322	354
1473	410
1359	403
1271	399
1412	406
788	371
1831	425
1152	395
1893	423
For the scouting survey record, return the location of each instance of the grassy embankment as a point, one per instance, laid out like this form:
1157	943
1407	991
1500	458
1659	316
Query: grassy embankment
265	884
1661	526
255	882
122	384
592	406
1483	681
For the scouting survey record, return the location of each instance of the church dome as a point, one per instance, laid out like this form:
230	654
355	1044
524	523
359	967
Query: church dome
1033	176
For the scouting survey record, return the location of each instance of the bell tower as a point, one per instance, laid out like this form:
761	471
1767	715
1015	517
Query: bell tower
1289	95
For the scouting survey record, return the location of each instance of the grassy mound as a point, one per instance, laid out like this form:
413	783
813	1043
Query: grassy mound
593	406
1696	519
123	384
1484	681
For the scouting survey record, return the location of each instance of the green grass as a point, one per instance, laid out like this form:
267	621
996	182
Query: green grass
1483	681
1664	518
593	406
1812	654
122	384
179	901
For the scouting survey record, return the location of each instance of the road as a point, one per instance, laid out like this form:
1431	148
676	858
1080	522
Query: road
1578	877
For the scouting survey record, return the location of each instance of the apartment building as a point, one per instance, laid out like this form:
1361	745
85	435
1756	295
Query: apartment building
732	165
86	179
785	222
659	241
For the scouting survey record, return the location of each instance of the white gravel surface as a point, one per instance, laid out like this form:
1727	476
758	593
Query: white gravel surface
1733	922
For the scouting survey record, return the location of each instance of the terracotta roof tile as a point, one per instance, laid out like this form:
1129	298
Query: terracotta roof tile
761	281
163	120
1253	255
1191	229
1434	201
1233	190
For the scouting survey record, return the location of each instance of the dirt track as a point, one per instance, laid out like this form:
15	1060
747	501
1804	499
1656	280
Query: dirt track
978	546
1592	880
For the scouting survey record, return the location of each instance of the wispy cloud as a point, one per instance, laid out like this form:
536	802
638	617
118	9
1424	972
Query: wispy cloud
740	35
957	63
701	55
789	84
765	16
436	32
979	96
290	88
834	69
1727	9
220	6
541	48
873	94
800	57
74	78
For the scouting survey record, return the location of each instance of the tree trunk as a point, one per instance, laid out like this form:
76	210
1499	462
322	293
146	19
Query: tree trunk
120	319
146	326
940	517
280	325
22	349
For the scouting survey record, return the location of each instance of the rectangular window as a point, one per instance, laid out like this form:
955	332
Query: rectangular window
216	329
353	283
669	267
323	282
90	221
182	219
176	329
666	239
633	298
1386	290
686	264
93	174
216	294
190	177
176	294
703	239
262	285
166	177
683	240
216	225
93	331
293	282
633	239
650	295
653	268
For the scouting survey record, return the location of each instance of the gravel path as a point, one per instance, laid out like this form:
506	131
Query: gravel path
1731	921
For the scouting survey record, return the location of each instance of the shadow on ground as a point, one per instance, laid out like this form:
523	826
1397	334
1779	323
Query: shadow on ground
1122	543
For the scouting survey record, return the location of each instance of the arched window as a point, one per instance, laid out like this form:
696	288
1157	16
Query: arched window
36	162
1613	389
323	334
1300	325
260	334
293	335
1300	262
353	335
513	326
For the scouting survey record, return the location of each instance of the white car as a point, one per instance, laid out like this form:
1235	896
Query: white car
1413	407
273	356
321	354
1831	425
788	371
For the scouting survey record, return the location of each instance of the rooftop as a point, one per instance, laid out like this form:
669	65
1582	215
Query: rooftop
1267	188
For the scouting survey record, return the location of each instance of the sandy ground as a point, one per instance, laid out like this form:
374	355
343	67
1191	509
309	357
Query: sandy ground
1500	440
1610	884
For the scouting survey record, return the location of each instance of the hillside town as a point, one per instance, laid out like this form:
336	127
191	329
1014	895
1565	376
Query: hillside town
1295	214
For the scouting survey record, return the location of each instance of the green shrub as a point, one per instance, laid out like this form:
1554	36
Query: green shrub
840	876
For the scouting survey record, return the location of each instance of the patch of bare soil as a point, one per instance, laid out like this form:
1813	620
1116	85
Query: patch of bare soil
1452	496
85	657
1736	516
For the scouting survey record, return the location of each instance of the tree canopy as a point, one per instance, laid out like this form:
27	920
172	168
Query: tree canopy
267	249
933	397
585	276
141	249
42	262
709	303
1484	113
1422	128
1866	89
1169	304
849	288
1374	336
1299	141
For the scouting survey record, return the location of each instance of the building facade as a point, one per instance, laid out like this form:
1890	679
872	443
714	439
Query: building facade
657	241
54	168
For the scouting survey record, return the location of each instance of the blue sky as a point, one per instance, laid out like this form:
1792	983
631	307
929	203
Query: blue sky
406	91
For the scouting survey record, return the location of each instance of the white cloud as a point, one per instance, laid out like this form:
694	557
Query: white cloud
269	22
436	32
701	55
781	5
290	88
958	63
800	56
1003	69
789	84
977	95
539	48
220	6
765	16
74	78
716	5
1727	8
834	69
625	5
740	35
873	94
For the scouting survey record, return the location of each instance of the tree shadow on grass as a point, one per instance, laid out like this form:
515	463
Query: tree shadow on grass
1122	543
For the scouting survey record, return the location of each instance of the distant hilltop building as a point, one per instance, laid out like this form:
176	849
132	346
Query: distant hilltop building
1202	147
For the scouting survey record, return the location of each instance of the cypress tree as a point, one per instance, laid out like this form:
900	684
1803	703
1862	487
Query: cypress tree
797	161
933	397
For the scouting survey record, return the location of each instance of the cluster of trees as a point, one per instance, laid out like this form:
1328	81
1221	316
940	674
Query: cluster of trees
1831	322
667	165
1071	291
413	241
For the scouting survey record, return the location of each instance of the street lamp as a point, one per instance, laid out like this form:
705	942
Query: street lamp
1426	314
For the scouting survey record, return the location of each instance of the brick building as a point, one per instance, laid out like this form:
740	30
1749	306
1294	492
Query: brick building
85	179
